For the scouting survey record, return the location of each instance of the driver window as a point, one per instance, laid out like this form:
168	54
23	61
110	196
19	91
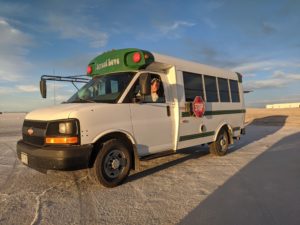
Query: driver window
157	91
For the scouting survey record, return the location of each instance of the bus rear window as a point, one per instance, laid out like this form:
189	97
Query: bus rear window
224	90
234	88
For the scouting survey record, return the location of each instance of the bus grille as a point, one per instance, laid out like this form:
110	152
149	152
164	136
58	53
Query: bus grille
34	132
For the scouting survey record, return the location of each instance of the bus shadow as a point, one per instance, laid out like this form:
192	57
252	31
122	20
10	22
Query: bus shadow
191	153
265	191
268	125
202	150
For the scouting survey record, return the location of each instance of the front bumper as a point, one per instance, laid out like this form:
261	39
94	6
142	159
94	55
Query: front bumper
54	157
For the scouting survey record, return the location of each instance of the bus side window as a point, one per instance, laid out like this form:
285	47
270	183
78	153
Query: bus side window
114	86
100	88
211	88
192	86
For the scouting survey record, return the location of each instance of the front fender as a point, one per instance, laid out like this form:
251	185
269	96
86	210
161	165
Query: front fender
130	138
128	134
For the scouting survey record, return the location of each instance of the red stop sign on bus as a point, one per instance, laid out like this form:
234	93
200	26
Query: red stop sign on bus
198	106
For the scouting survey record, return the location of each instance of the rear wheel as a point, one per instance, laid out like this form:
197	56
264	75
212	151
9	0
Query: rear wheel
112	164
220	145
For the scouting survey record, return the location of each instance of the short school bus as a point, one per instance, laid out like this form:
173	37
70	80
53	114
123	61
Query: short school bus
110	123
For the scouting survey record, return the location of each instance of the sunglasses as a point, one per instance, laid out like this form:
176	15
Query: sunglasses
155	80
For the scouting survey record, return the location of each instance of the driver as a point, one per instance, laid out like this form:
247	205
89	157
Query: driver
155	84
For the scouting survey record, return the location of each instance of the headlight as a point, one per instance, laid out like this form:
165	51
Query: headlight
65	127
63	132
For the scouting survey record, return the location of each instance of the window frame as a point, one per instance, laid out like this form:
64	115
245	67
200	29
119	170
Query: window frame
186	74
236	92
216	85
221	91
130	95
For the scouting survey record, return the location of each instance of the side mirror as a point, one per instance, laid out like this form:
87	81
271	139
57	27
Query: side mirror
144	81
43	88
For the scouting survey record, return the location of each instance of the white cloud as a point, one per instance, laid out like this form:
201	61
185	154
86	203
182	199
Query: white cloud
13	48
3	22
27	88
6	75
12	39
167	28
18	89
63	92
264	65
277	79
73	28
263	84
286	76
6	90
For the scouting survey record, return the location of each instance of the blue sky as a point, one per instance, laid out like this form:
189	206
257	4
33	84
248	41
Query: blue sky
260	39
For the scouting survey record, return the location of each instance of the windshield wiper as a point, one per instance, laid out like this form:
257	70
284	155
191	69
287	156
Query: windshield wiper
87	100
82	100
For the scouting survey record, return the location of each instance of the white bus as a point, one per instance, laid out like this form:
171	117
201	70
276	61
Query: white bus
136	104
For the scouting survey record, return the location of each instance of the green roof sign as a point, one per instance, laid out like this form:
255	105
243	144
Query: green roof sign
121	60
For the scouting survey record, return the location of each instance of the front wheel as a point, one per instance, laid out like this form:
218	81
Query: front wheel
220	145
112	164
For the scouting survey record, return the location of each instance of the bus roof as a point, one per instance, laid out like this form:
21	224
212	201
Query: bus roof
196	67
132	59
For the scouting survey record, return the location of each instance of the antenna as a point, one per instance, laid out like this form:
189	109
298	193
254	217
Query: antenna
54	89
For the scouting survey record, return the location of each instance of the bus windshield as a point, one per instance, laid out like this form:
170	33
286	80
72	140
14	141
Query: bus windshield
103	89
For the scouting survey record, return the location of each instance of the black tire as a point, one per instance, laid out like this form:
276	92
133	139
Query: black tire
112	164
220	146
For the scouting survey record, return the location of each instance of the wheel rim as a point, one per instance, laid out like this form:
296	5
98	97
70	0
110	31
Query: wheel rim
114	163
223	142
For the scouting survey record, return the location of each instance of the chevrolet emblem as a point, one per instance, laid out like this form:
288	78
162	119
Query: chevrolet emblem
30	131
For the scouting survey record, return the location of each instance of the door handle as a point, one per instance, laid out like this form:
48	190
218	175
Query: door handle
168	110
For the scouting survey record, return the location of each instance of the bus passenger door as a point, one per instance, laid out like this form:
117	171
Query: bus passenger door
192	130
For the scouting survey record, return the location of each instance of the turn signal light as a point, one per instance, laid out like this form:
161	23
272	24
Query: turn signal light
61	140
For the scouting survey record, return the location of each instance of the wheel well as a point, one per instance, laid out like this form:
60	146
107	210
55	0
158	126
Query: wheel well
115	135
228	131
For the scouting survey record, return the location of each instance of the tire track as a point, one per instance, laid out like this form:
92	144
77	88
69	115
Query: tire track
85	199
12	170
37	216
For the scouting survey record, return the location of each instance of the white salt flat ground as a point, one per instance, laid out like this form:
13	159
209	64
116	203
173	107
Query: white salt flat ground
256	183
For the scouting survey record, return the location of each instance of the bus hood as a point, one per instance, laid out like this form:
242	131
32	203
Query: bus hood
57	112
